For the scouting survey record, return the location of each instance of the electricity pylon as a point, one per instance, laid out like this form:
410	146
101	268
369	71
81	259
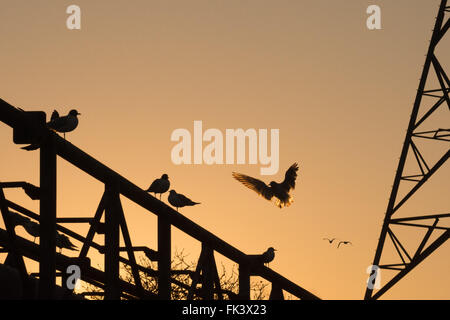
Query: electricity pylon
411	155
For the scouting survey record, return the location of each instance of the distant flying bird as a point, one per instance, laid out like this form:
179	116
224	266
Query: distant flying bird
64	124
278	192
344	242
160	185
329	240
63	242
178	200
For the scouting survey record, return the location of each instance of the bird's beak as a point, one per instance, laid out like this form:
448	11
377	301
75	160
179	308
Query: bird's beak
78	114
275	250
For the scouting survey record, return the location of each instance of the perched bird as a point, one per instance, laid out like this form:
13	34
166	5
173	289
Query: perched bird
344	242
277	192
178	200
268	255
329	240
63	242
59	124
264	258
160	185
64	124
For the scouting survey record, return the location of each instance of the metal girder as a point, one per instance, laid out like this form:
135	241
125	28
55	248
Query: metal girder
425	168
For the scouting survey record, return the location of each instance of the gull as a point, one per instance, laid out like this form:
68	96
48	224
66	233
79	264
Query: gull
59	124
278	192
266	257
178	200
329	240
344	242
64	124
63	242
160	185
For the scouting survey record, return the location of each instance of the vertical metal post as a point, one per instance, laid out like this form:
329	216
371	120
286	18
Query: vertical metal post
112	290
276	293
244	282
208	275
47	229
164	261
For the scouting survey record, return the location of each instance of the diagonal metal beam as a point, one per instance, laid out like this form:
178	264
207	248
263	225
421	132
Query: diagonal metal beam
436	244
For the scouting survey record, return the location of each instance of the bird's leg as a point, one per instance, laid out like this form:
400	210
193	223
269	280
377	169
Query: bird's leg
64	134
160	196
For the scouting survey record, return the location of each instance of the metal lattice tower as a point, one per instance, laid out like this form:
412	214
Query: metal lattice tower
412	156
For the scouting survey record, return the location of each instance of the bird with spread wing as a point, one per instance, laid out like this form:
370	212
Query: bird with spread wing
276	192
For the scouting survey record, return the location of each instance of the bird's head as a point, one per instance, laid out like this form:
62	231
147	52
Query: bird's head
272	183
271	249
74	113
172	192
165	176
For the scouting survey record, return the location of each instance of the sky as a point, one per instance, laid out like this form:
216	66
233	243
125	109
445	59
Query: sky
339	94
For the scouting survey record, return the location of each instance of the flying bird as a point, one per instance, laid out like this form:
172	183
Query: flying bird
329	240
63	242
344	242
178	200
160	185
277	192
64	124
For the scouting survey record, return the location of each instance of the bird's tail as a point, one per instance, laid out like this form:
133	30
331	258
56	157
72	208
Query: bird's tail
286	202
31	147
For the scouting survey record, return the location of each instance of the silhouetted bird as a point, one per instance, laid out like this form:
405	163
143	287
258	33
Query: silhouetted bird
63	242
329	240
178	200
268	255
264	258
160	185
344	242
64	124
279	192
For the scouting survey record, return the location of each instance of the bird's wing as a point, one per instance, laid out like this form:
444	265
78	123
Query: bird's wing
55	115
340	243
186	200
256	185
289	178
56	123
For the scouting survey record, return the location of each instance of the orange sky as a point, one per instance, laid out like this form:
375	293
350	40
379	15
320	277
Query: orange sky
340	95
